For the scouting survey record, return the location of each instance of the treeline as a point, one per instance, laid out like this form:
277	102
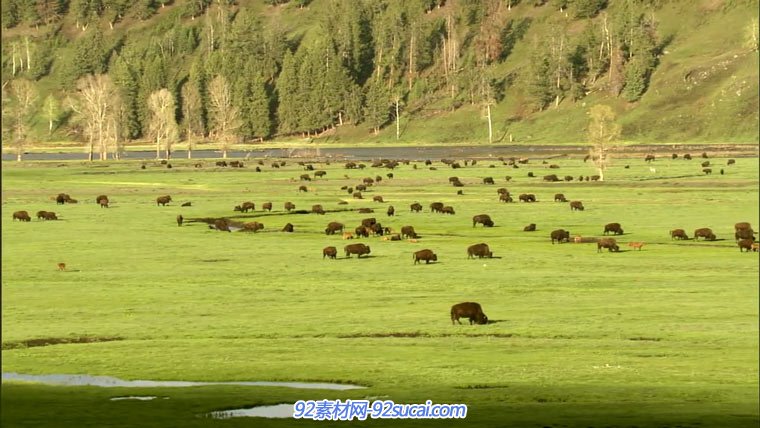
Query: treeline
227	73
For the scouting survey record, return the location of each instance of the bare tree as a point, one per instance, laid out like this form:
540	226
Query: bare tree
602	131
193	116
98	100
24	95
225	117
163	125
52	109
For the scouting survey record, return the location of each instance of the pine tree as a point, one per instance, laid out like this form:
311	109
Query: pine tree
376	108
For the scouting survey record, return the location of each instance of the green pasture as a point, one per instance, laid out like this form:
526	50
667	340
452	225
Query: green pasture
665	336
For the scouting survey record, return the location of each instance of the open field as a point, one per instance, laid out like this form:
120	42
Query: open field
665	336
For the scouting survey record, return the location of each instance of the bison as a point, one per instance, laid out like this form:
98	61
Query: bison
187	204
221	224
415	207
102	200
745	244
317	209
744	234
560	235
358	249
362	231
391	211
678	234
551	178
483	219
576	206
530	228
731	162
180	219
252	226
49	215
163	200
436	207
303	189
470	310
377	199
488	180
609	243
481	250
613	228
266	206
408	232
505	197
289	206
41	215
559	197
425	255
357	195
333	227
329	252
742	225
288	228
365	210
21	216
502	191
245	207
705	233
448	210
369	222
527	197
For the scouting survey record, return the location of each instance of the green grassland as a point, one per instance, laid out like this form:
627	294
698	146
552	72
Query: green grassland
665	336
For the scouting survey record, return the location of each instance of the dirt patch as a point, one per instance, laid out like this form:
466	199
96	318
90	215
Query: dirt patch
649	339
48	341
478	386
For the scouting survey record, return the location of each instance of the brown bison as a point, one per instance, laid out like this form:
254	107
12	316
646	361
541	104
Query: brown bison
377	199
731	162
408	231
221	224
361	187
21	216
365	210
613	228
415	207
266	206
705	233
502	191
305	177
551	178
678	234
180	219
368	222
320	173
470	310
333	227
163	200
649	158
745	244
40	215
357	195
560	235
505	197
527	197
317	209
480	250
488	180
187	204
483	219
49	215
329	252
61	198
245	207
288	228
425	255
391	211
559	197
530	228
609	243
744	234
303	189
687	156
448	210
102	200
289	206
436	207
742	225
362	231
252	226
358	249
576	206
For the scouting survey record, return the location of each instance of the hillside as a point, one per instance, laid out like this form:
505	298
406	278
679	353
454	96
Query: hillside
674	71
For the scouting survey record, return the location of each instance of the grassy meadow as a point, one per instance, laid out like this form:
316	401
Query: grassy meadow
665	336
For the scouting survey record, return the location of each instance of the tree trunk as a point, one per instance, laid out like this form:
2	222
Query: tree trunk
490	128
398	127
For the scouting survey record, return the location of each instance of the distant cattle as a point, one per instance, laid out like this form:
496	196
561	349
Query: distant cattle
448	210
334	227
252	226
408	232
368	180
559	197
527	197
391	211
377	199
180	219
469	310
289	206
358	249
576	206
479	250
745	244
266	206
488	180
317	209
636	245
609	243
530	228
361	187
329	252
436	207
21	216
245	207
424	255
674	156
415	207
678	234
705	164
705	233
483	219
613	228
163	200
560	235
288	228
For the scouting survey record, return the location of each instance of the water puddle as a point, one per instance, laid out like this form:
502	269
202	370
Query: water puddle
276	411
108	381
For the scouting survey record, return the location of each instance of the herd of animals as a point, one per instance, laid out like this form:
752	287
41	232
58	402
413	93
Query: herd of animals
743	232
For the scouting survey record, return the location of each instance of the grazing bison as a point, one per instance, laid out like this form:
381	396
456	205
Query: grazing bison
163	200
289	206
62	198
502	191
530	228
369	222
448	210
365	210
252	226
560	235
377	199
678	234
527	197
391	211
705	233
649	158
266	206
745	244
49	215
705	164
415	207
551	178
576	206
305	177
320	173
303	189
613	228
21	216
358	249
221	224
505	197
357	195
483	219
408	231
480	250
40	215
333	227
470	310
317	209
731	162
559	197
609	243
361	187
742	225
180	219
329	252
488	180
674	156
288	228
100	198
187	204
425	255
568	178
245	207
744	234
687	156
436	207
362	231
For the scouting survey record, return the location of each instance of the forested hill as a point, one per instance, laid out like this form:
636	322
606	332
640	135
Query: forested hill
249	70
